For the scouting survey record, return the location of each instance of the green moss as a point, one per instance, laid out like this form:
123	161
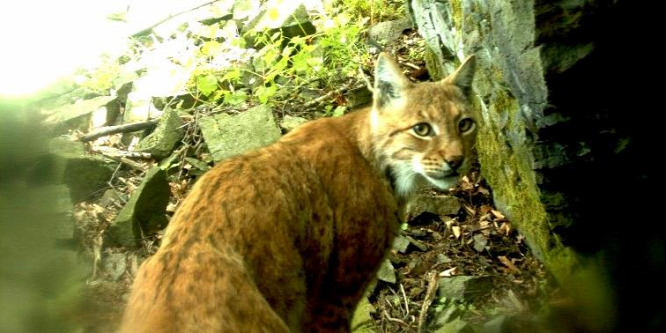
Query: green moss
433	64
457	13
511	176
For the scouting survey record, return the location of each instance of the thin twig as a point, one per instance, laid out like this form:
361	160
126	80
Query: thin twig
130	163
328	95
430	296
368	84
402	289
108	130
395	320
121	153
408	64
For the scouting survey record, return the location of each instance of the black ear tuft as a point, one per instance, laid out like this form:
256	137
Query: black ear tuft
389	81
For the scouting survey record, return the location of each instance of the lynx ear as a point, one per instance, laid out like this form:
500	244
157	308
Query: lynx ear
389	81
464	75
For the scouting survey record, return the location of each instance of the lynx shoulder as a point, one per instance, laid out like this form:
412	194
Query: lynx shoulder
286	238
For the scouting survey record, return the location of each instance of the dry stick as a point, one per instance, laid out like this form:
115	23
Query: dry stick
327	95
430	296
395	320
104	131
130	163
121	153
402	289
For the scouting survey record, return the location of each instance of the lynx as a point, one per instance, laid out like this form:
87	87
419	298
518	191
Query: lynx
286	238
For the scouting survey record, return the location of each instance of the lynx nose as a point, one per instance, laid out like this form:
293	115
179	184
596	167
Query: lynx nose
454	162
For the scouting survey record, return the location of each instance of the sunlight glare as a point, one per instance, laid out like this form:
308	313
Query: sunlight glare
45	40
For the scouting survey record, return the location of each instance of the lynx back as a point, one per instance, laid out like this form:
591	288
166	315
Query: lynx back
286	238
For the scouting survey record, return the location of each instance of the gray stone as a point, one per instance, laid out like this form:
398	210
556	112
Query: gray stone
450	313
418	244
386	272
109	197
86	176
442	205
289	20
417	266
480	242
138	108
456	326
228	135
389	31
70	112
144	212
63	207
290	122
115	265
167	134
443	259
362	321
201	165
495	325
358	97
466	288
400	243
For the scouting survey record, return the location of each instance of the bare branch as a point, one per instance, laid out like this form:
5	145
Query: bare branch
430	296
108	130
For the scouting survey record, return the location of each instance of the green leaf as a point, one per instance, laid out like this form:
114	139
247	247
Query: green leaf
264	93
211	48
339	111
300	62
232	75
207	84
235	98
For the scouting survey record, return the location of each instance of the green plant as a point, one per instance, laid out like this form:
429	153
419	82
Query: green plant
326	59
375	10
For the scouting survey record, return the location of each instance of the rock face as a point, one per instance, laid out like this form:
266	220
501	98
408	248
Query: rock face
558	138
228	135
66	163
167	134
511	93
144	212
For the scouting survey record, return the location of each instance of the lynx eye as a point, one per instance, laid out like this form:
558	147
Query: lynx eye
465	125
422	129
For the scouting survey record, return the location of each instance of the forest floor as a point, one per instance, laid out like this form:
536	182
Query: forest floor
478	242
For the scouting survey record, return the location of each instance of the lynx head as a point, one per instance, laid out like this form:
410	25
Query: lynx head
422	132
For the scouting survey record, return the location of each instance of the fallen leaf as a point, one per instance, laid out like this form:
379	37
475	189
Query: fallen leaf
469	209
449	272
505	229
506	262
456	231
497	214
449	223
171	207
485	209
